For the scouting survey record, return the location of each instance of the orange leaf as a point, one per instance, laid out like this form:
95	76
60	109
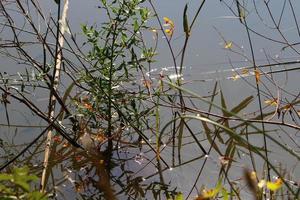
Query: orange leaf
257	76
78	157
88	106
66	144
100	137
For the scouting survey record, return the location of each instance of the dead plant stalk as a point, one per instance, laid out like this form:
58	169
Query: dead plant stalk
52	100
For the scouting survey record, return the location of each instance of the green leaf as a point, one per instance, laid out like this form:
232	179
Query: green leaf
179	196
186	27
6	177
65	97
24	185
214	93
135	26
207	131
219	185
36	195
224	106
229	153
31	178
225	194
239	140
241	11
22	171
242	105
144	12
180	135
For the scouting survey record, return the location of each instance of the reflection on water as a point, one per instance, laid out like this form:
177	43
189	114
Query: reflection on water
170	72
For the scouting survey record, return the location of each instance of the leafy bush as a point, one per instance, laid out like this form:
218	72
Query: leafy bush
18	185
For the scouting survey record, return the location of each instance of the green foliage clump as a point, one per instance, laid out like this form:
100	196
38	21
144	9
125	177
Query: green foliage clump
17	185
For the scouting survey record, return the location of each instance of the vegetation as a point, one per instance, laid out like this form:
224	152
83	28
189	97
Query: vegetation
113	128
17	185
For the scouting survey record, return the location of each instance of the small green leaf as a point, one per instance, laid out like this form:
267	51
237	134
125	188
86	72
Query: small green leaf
242	105
25	186
186	27
6	177
225	194
241	11
179	196
20	172
224	106
219	185
179	137
208	132
135	26
36	195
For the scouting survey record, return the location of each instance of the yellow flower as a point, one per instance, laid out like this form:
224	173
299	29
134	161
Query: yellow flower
169	31
168	22
273	186
208	193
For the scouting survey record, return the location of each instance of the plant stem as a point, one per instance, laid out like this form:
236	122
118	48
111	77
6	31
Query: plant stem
55	84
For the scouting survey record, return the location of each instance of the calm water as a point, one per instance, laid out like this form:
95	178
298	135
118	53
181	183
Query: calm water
207	61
